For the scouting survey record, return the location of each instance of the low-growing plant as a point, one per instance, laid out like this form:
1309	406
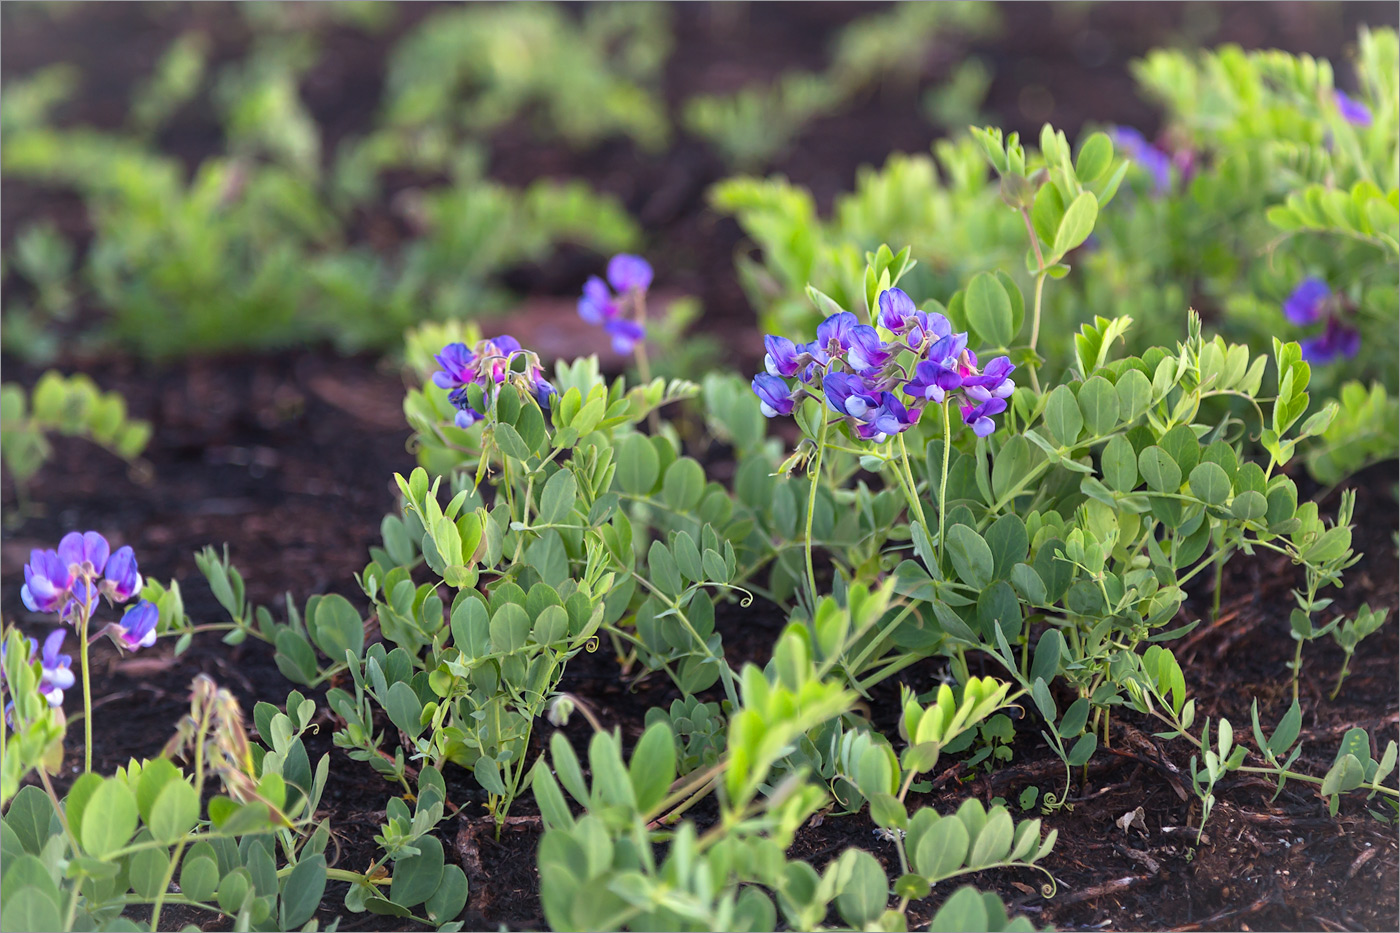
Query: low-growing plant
70	405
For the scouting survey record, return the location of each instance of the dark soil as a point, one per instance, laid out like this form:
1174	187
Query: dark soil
289	459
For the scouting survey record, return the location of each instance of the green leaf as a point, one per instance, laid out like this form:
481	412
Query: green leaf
30	815
451	896
684	484
29	909
199	878
866	891
1095	157
994	841
1062	416
302	890
988	309
972	558
661	567
109	819
1119	464
403	708
1077	223
557	499
510	441
941	851
418	876
337	628
1209	483
653	766
1009	544
175	812
1098	401
1159	469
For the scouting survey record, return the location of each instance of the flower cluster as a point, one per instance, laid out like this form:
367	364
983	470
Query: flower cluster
69	581
488	364
859	374
629	278
1310	302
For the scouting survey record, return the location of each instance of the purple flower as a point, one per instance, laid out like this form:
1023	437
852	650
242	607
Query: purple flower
1336	340
137	629
57	668
499	350
774	396
1306	304
458	364
889	417
865	349
122	579
466	416
86	551
781	358
543	389
935	324
979	417
834	333
48	581
1352	110
625	334
597	305
848	395
626	272
1156	162
933	381
993	382
896	309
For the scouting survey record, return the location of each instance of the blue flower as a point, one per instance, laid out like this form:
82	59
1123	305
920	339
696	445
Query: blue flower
1336	340
781	358
849	395
625	334
979	417
122	579
834	333
627	272
57	668
933	381
466	416
1307	302
993	382
935	324
458	364
597	305
85	553
889	417
896	309
865	350
48	581
774	396
137	629
1156	162
1352	110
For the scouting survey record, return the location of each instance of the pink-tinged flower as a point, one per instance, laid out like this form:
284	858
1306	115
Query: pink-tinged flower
774	396
933	381
137	629
1307	302
866	351
1352	110
496	354
122	579
48	581
458	364
993	382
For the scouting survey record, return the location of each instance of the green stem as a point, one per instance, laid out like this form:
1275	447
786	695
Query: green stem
87	686
180	846
815	478
943	481
914	500
1341	676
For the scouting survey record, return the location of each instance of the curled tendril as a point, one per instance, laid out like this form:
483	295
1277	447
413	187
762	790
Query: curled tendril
591	645
747	599
1052	801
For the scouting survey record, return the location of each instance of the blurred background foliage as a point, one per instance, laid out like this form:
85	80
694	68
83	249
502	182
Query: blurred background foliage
202	178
